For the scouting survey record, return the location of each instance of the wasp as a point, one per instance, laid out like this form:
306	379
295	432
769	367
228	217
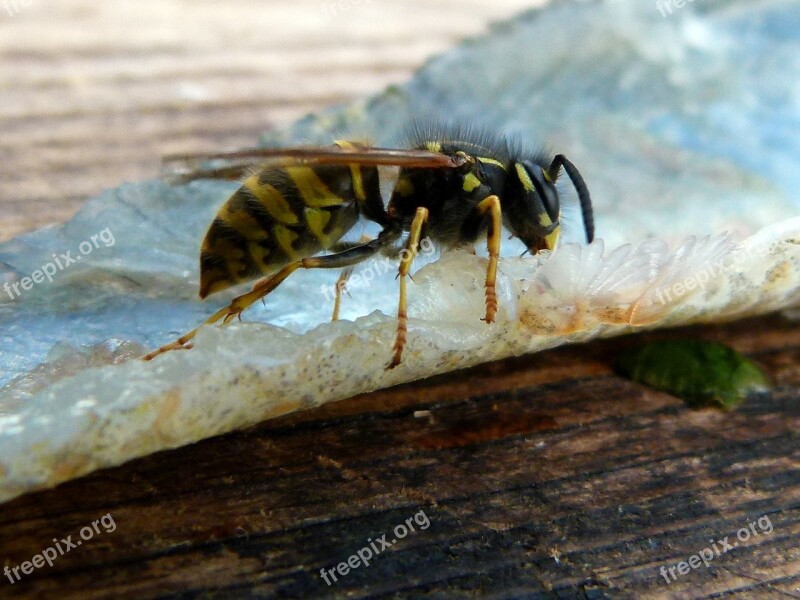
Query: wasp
455	186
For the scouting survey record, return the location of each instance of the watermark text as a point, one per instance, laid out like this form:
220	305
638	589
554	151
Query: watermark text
374	548
699	278
60	548
374	268
718	548
59	263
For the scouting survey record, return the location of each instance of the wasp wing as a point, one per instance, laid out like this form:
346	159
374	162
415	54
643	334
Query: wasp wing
187	167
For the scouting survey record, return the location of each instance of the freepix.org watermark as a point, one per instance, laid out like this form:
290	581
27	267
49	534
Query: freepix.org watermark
718	548
699	278
60	548
59	263
665	6
374	548
372	269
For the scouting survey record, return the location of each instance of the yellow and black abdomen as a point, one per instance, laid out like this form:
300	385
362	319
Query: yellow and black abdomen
281	215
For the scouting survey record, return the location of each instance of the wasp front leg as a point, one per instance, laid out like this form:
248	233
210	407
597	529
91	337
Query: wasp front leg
491	205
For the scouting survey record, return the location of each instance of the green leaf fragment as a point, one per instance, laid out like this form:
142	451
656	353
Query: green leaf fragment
701	373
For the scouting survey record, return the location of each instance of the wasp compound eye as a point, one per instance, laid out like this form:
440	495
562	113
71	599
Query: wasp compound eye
549	197
543	192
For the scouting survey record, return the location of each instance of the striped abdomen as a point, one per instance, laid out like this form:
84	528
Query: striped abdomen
280	215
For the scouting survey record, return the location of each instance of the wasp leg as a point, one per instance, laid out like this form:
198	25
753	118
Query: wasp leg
341	283
406	257
491	204
332	261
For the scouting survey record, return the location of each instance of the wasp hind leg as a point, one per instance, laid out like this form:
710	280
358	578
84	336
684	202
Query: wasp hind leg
263	287
406	258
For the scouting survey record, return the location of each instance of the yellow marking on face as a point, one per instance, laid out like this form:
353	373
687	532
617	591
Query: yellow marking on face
547	176
317	221
312	189
524	178
551	239
272	200
471	182
433	146
544	219
285	237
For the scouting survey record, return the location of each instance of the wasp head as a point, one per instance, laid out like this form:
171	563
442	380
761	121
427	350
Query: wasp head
534	214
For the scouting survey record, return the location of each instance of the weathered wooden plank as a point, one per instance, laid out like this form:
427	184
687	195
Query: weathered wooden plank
541	475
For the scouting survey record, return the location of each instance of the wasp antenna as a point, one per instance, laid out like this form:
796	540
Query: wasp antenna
580	186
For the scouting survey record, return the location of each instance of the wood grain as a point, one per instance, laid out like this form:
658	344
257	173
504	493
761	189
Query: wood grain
93	93
542	476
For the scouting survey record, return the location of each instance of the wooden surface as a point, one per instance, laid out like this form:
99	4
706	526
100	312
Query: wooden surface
94	93
543	476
